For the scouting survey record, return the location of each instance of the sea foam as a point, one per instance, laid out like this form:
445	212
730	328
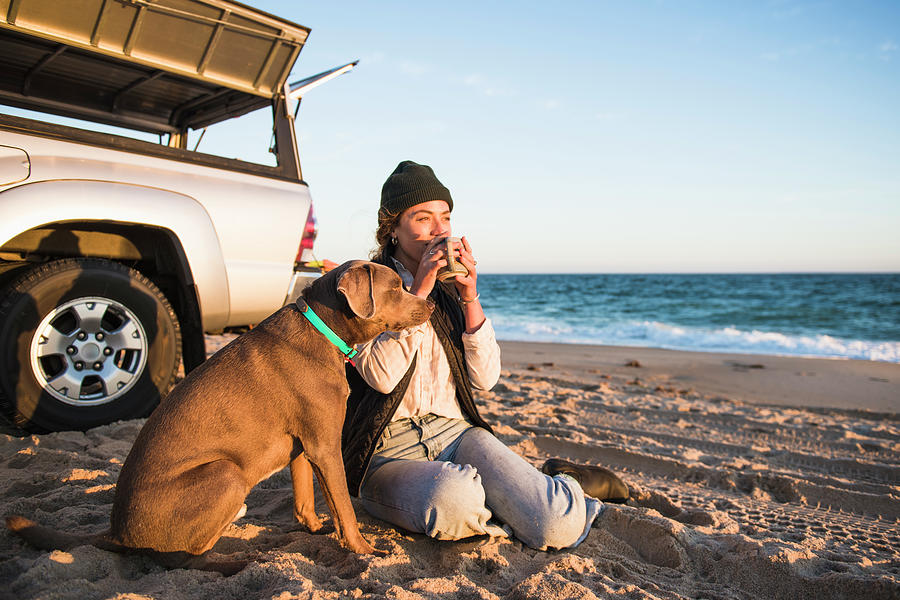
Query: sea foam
675	337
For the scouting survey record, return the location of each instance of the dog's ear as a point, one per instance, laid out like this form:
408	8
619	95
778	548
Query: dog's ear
357	284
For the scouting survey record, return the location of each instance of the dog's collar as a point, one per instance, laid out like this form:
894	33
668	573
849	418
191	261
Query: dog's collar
325	330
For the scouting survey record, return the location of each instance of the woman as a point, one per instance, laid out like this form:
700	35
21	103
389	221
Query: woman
416	451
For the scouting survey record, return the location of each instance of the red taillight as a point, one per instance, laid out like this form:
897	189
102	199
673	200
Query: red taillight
309	234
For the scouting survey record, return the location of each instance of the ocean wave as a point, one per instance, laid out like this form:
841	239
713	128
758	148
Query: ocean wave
726	339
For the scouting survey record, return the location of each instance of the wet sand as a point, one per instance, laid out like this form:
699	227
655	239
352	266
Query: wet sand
760	379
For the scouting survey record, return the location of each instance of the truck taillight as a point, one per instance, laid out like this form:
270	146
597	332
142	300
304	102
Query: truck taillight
310	229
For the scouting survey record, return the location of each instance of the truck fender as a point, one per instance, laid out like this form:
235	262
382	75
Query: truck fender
31	205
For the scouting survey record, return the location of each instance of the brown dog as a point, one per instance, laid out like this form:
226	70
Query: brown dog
276	396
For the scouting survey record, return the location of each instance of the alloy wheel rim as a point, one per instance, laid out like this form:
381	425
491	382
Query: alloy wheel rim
89	351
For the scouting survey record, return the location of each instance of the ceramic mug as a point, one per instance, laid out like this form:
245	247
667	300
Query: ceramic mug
454	267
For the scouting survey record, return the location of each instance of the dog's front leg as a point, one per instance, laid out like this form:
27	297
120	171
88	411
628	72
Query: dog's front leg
330	472
304	494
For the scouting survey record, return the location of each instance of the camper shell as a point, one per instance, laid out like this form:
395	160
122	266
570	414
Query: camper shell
157	66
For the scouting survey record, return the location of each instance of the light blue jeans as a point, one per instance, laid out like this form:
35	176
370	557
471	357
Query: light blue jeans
450	480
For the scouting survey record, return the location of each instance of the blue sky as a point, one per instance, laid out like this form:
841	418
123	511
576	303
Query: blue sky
616	136
610	136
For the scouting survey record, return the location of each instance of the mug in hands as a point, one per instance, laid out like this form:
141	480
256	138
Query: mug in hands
453	267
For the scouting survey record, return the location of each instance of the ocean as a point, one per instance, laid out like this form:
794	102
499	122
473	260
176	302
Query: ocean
818	315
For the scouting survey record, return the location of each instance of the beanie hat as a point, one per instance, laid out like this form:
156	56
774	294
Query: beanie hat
411	184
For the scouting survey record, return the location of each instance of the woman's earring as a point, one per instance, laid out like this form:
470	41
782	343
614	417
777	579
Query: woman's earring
394	240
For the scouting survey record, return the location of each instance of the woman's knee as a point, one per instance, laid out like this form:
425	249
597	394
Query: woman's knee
544	512
454	508
558	522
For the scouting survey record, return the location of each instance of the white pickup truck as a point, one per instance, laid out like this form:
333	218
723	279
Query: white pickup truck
117	254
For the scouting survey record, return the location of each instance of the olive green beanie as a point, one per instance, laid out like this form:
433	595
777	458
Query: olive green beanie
411	184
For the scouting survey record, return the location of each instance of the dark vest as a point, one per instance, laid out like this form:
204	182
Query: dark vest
369	411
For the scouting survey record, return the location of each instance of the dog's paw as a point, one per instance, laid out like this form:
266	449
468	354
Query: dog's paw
361	546
312	523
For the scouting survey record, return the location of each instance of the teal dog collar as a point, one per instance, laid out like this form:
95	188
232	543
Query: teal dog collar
325	330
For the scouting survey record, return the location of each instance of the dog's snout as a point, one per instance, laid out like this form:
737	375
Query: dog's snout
418	311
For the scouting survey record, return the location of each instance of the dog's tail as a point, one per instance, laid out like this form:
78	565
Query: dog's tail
45	538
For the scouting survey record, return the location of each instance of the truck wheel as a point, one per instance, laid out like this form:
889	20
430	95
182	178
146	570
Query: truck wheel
84	342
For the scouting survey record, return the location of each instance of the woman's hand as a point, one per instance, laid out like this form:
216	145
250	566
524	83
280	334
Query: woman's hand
467	286
433	258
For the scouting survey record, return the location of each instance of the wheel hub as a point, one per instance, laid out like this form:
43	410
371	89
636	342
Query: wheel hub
89	351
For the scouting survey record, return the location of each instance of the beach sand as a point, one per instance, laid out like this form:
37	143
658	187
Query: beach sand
752	477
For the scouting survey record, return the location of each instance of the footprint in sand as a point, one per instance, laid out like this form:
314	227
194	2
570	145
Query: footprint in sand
656	540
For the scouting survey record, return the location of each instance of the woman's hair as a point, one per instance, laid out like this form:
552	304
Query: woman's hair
387	222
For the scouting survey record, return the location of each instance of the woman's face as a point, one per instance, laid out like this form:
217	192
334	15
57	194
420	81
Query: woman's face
420	224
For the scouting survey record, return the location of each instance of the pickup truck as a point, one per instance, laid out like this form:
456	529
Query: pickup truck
116	253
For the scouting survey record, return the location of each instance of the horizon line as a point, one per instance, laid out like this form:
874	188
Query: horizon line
689	273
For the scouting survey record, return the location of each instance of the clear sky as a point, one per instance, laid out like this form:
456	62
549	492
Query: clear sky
610	136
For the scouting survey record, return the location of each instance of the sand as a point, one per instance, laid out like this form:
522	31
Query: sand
753	477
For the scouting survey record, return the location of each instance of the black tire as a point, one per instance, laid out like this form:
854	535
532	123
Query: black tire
84	342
